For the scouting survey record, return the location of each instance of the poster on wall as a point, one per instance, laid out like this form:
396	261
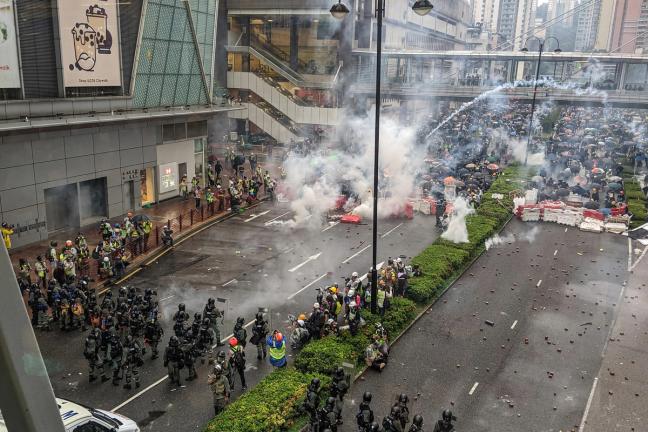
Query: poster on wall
9	69
89	43
169	177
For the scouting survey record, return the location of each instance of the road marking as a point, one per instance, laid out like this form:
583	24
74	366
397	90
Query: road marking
330	226
378	266
539	282
639	259
566	229
254	216
227	283
136	395
289	250
356	254
272	220
167	298
472	390
391	230
581	428
292	296
310	258
629	254
556	252
514	324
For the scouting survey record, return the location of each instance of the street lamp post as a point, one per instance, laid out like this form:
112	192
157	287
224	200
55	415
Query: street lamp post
340	11
535	86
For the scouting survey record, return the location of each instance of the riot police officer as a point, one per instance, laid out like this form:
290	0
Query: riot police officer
239	332
417	424
219	386
133	361
213	313
311	404
115	356
92	353
205	341
339	387
445	424
327	416
365	414
181	314
174	359
391	423
259	332
404	410
152	334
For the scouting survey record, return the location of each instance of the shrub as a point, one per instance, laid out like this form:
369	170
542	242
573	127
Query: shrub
324	355
272	405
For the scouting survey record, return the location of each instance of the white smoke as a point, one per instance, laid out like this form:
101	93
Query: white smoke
528	236
457	231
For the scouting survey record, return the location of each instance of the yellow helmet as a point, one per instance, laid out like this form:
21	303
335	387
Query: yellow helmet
333	289
302	317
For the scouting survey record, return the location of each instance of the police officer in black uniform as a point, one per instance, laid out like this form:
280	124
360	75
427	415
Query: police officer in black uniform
445	424
365	414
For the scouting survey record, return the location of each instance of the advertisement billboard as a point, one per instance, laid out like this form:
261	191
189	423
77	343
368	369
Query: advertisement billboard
168	177
9	68
89	43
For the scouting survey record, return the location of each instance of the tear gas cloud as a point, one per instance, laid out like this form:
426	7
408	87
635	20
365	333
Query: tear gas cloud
528	236
457	231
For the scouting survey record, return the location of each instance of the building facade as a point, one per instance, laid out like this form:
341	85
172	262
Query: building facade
516	20
104	107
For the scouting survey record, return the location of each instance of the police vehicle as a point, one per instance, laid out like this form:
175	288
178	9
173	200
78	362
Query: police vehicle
79	418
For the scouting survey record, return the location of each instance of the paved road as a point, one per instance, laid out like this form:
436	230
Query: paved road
561	292
250	262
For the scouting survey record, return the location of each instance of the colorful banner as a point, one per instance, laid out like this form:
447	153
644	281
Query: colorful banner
89	43
9	68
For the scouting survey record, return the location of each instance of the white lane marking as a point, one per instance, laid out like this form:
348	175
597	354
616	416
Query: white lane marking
378	266
167	298
254	216
566	229
289	250
227	283
639	259
292	296
581	428
391	230
136	395
272	220
330	226
539	282
556	252
514	324
356	254
472	390
629	254
310	258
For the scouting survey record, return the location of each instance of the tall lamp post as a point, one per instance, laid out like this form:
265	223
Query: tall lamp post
340	11
535	84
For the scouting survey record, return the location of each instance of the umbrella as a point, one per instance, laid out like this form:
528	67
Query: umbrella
552	157
597	170
537	179
615	179
449	181
471	166
140	218
492	167
491	159
462	172
580	180
592	205
615	186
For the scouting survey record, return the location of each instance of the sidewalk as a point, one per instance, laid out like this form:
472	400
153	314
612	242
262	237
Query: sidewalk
180	213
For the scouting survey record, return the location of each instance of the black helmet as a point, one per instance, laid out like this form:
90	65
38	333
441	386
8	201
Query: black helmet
174	341
315	382
206	322
129	339
240	321
403	398
395	411
181	307
259	316
366	397
418	420
218	369
123	290
330	402
447	415
198	316
375	427
339	371
221	355
210	300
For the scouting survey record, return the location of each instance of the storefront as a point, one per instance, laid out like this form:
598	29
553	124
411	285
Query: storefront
147	186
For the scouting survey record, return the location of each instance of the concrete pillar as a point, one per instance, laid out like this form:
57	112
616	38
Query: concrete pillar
220	53
245	40
622	75
294	42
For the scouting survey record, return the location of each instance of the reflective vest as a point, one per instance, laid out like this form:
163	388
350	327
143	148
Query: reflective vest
277	351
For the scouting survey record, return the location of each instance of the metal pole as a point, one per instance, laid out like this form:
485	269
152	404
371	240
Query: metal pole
374	245
26	396
533	103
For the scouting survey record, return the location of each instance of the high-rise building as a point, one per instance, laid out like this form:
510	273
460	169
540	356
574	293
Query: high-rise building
587	25
642	29
516	21
625	26
486	12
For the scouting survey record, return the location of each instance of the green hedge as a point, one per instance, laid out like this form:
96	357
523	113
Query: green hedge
635	199
271	406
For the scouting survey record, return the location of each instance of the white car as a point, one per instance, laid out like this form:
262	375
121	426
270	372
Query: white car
79	418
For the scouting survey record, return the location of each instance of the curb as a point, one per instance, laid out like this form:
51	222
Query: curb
436	299
107	285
